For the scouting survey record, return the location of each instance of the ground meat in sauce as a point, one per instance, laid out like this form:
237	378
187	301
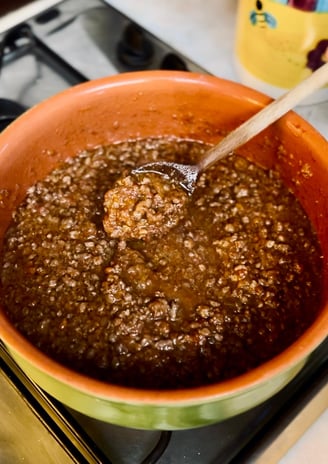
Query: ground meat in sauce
230	286
143	206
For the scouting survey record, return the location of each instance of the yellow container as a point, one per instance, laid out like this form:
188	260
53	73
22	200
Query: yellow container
280	42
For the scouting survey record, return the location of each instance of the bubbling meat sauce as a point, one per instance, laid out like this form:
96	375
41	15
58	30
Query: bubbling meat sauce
231	285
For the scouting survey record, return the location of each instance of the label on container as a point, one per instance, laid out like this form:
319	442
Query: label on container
282	41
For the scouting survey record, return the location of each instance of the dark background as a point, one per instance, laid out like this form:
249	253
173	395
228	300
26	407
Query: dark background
7	6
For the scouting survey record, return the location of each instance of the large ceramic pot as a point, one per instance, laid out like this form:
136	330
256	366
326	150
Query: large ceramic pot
159	103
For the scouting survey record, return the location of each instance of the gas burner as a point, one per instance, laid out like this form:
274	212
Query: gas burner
135	50
14	39
173	62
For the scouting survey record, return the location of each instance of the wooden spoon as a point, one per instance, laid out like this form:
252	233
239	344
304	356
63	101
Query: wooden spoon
187	175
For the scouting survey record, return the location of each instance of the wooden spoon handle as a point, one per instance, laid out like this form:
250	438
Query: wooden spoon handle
265	117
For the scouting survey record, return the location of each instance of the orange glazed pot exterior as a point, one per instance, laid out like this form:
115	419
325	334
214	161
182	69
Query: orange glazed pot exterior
148	104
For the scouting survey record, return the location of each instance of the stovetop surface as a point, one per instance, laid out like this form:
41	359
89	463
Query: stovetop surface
94	41
240	439
52	49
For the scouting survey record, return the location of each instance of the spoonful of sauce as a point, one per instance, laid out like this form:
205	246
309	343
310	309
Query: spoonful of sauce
154	197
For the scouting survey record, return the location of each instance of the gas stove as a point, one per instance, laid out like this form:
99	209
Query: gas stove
65	45
70	43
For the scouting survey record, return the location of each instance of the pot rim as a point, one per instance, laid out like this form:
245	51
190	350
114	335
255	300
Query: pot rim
290	357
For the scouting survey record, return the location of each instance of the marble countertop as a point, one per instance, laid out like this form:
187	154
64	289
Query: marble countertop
204	32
